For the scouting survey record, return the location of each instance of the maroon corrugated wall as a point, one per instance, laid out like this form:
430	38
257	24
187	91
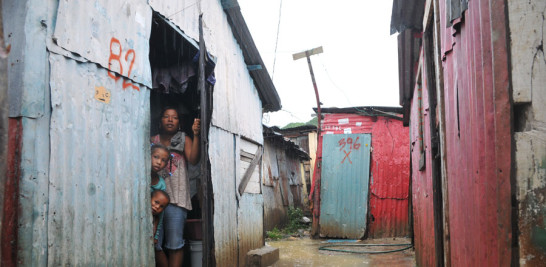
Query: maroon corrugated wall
389	179
11	194
421	175
478	135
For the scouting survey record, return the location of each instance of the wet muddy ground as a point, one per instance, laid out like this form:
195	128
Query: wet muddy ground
305	252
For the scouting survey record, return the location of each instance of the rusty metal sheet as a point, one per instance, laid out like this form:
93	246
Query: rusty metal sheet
113	34
98	179
274	210
270	170
222	160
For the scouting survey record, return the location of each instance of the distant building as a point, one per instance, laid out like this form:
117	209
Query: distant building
283	181
364	173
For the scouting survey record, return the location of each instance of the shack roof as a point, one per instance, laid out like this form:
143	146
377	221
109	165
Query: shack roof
298	129
373	111
256	67
280	140
407	14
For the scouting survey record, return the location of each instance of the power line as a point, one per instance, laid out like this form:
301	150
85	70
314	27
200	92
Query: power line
277	41
333	83
186	7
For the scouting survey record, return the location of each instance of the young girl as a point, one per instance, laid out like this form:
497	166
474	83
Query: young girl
160	157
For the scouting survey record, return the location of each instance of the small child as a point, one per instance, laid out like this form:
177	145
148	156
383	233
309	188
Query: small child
160	157
160	200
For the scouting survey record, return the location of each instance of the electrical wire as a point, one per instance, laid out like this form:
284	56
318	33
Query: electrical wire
186	7
330	248
277	41
333	83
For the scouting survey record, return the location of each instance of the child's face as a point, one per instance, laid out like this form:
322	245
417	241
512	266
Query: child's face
159	159
159	202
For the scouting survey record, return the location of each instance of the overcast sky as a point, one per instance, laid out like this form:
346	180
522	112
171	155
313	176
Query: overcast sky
359	63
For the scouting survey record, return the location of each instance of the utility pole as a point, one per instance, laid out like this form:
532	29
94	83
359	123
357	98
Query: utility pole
316	171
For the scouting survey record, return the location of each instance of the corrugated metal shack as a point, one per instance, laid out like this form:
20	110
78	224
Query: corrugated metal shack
379	206
283	177
80	80
305	137
473	75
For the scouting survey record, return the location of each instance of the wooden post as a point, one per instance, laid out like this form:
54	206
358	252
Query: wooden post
206	180
316	172
3	118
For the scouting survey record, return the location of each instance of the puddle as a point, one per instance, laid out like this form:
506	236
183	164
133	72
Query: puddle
305	252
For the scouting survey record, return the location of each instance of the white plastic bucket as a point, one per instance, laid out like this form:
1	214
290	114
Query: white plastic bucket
196	251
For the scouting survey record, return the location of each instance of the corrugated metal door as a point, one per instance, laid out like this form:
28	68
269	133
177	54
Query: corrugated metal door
345	185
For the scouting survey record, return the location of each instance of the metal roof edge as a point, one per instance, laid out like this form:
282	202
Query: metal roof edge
266	89
407	14
373	111
269	132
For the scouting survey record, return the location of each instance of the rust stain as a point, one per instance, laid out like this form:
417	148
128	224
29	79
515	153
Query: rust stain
532	228
11	194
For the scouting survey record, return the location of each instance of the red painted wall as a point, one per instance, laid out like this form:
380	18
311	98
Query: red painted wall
478	143
478	137
423	219
389	180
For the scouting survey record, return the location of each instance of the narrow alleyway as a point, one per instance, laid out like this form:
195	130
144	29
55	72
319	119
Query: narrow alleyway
305	252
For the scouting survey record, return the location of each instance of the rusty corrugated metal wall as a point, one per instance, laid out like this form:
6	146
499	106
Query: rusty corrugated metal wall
478	134
389	179
282	178
421	175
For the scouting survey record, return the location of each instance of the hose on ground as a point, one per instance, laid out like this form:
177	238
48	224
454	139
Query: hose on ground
330	248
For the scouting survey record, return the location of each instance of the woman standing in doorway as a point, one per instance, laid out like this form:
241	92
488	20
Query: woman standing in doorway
184	149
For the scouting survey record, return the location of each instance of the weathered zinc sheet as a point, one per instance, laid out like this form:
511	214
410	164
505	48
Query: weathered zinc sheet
113	34
183	13
28	97
270	170
344	185
389	184
98	189
274	210
245	153
478	136
238	107
250	219
222	159
25	33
